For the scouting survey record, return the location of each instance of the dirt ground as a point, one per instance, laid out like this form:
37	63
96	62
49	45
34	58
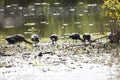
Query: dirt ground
66	61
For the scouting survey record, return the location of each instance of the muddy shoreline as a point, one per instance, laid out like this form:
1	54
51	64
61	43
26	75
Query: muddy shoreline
69	59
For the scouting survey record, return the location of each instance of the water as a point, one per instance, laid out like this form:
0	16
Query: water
50	19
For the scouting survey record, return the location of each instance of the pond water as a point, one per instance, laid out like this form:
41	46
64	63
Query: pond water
58	19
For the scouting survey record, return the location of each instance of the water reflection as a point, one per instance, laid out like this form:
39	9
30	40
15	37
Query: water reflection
54	16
